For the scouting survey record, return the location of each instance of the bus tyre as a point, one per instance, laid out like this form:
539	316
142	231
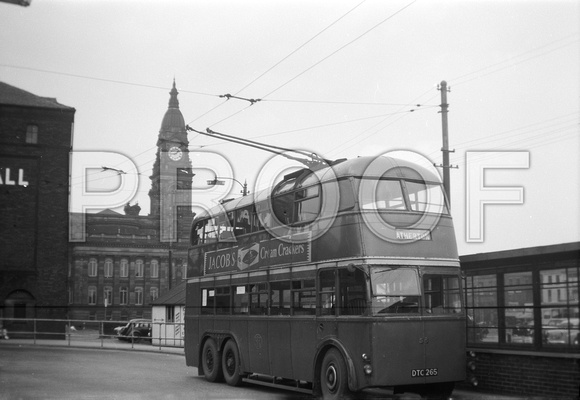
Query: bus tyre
334	376
231	363
211	361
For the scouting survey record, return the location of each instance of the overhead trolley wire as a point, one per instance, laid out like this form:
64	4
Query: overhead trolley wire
341	48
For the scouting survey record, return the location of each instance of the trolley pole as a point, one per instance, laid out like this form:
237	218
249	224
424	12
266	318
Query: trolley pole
445	149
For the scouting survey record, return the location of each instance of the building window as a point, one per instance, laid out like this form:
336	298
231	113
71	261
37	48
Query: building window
93	267
139	296
153	293
108	295
124	268
170	314
519	311
92	295
559	307
536	308
139	268
32	134
154	269
123	295
108	268
482	311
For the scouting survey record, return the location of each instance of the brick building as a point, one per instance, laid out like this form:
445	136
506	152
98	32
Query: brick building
127	260
35	143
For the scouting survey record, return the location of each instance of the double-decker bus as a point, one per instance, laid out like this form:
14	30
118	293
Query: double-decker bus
335	280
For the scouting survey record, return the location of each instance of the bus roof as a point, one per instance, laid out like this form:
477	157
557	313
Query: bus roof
370	167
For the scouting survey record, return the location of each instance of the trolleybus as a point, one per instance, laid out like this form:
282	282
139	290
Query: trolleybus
336	280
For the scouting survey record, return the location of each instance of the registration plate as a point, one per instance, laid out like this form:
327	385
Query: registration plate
421	373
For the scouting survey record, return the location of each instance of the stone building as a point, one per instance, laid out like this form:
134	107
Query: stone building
35	143
127	260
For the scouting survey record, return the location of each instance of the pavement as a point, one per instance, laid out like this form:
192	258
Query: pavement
93	340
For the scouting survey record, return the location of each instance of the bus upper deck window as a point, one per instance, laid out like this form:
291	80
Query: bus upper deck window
426	197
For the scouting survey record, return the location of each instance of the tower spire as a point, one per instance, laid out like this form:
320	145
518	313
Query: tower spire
173	102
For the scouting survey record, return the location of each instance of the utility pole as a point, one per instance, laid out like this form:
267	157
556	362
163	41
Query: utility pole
445	149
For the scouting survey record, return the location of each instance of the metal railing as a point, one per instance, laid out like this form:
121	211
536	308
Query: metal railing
92	333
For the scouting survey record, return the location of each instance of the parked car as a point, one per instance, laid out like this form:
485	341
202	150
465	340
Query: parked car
565	332
136	329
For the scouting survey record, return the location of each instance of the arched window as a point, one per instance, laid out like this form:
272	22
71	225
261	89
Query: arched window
123	295
93	267
139	296
139	268
154	269
108	295
92	300
108	268
153	293
124	268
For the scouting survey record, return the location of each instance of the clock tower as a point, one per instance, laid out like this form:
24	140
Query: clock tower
171	179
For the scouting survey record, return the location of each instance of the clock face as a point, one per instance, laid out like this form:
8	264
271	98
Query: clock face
175	153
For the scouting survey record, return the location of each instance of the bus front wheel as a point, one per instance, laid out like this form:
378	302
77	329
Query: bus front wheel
334	376
231	363
211	361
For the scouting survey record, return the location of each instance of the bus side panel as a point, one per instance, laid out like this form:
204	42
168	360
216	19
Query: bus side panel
356	336
258	346
191	325
192	341
445	349
303	345
280	348
398	349
239	326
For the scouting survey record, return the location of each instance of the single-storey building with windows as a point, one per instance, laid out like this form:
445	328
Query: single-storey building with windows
523	320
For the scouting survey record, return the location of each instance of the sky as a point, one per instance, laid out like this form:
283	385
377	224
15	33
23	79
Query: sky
341	79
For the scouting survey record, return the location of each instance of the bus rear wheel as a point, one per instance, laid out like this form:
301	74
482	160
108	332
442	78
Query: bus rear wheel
211	361
334	376
231	364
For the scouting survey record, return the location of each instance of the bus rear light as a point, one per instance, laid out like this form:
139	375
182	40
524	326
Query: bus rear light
368	369
365	357
471	365
473	381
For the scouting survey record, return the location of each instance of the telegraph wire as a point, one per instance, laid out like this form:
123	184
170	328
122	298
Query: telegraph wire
116	81
341	48
300	47
459	81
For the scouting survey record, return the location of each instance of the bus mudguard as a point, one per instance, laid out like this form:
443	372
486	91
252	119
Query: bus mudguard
321	349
